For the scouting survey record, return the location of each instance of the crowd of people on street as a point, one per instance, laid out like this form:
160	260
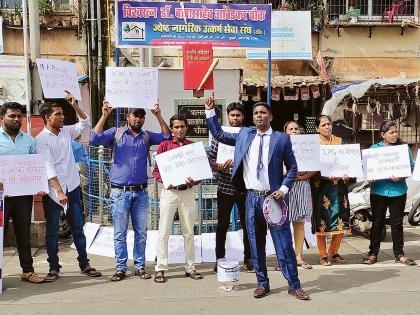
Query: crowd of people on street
264	167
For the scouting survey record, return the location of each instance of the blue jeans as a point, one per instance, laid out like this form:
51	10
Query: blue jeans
136	204
52	212
282	239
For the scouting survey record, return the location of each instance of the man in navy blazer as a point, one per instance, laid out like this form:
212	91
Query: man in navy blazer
258	168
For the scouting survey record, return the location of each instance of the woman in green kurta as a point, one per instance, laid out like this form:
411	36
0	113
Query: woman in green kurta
331	207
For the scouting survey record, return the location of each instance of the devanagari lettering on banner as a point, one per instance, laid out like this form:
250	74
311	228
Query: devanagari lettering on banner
341	160
24	174
385	162
131	87
226	152
306	150
58	76
177	165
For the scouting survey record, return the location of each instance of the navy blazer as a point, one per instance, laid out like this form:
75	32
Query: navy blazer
279	152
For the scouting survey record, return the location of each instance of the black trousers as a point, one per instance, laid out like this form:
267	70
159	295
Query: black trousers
19	209
396	207
224	209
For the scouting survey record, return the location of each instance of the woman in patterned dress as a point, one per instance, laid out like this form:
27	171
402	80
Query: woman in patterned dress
330	199
300	203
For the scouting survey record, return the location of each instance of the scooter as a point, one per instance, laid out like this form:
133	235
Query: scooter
361	213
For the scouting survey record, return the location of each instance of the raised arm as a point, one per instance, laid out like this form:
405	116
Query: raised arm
214	126
163	125
99	136
84	121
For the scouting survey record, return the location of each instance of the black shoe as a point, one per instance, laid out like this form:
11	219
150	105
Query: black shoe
249	267
215	268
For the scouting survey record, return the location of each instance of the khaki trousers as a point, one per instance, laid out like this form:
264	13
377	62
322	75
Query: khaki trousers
170	201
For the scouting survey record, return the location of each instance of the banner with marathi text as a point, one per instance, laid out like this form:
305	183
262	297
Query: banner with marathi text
180	23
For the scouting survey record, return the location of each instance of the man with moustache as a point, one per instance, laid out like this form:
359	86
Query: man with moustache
173	198
258	169
129	194
54	141
227	194
13	141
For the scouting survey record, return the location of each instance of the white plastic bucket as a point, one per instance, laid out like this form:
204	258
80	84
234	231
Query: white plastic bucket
227	270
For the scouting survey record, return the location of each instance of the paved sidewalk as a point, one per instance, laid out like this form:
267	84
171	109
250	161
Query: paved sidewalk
384	288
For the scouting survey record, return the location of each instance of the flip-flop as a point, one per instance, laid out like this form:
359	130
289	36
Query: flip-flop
160	277
408	261
91	272
51	276
143	274
193	274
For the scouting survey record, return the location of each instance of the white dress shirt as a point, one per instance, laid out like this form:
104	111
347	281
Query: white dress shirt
251	161
59	154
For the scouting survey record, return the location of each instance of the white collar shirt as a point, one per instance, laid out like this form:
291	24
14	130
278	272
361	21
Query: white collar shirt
251	162
59	155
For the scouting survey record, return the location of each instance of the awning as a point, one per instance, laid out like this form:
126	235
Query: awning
258	78
357	90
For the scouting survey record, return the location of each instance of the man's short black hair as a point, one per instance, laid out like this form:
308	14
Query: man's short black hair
262	104
179	117
138	112
11	105
235	106
47	109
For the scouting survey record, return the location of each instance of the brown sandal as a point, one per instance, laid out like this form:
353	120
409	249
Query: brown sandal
303	264
370	260
193	274
143	274
118	276
160	277
51	276
31	277
324	261
91	272
337	259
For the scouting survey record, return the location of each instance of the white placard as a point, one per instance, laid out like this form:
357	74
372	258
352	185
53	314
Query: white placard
176	165
291	37
208	245
1	241
385	162
58	76
306	150
152	238
226	152
103	244
90	230
24	174
341	160
269	245
416	173
176	254
132	87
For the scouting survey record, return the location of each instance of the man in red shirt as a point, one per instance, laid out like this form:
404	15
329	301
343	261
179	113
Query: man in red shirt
172	198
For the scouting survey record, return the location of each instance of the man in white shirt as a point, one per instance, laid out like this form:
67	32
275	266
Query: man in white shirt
63	178
258	168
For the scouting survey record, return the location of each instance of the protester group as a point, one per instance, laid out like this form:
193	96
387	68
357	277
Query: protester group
263	168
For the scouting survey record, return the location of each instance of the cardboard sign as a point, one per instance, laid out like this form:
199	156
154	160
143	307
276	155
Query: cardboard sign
24	174
416	173
58	76
131	87
197	60
306	150
234	246
176	253
341	160
90	230
226	152
175	166
103	244
385	162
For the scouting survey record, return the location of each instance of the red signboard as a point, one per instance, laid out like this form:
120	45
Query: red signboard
197	61
37	124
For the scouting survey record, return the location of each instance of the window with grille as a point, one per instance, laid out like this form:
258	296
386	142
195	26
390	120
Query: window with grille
407	7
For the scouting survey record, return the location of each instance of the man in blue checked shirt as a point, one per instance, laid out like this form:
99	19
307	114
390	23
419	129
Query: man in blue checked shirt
129	195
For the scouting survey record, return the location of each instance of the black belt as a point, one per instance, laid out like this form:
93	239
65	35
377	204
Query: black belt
263	193
182	187
130	188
